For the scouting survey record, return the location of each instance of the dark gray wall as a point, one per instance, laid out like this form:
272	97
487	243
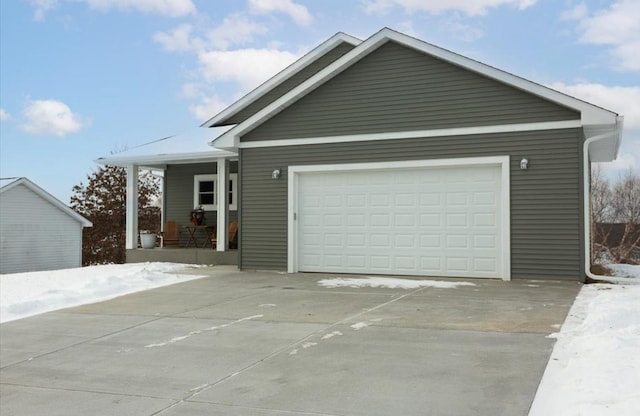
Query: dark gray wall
546	199
397	88
290	83
179	193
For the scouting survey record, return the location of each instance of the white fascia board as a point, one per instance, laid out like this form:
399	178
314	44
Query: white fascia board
605	148
49	198
230	139
158	161
292	69
458	131
590	114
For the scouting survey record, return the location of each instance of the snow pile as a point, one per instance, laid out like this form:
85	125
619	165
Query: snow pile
625	270
27	294
594	369
390	283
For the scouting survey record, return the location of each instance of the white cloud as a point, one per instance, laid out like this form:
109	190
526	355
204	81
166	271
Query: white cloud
179	39
617	27
624	101
579	11
248	67
170	8
469	7
4	115
50	118
208	107
42	7
298	13
235	29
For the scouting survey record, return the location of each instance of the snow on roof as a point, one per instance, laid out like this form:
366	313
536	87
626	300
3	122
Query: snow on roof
188	146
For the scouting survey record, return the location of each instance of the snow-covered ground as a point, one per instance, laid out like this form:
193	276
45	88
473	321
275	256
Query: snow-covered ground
594	369
27	294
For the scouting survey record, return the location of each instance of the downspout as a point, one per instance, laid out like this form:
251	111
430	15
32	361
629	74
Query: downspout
587	197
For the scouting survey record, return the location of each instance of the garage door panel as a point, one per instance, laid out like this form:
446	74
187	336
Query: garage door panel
418	221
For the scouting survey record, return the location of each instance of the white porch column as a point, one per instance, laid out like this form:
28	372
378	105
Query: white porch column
132	207
223	205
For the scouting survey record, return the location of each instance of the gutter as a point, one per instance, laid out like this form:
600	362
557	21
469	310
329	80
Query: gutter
587	198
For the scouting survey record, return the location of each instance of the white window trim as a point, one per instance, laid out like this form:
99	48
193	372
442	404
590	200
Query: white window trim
233	177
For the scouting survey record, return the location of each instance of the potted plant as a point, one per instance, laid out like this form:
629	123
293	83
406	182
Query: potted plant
148	238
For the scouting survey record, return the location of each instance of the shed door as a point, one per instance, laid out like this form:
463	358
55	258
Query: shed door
430	221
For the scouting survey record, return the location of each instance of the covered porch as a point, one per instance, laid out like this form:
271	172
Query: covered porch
205	182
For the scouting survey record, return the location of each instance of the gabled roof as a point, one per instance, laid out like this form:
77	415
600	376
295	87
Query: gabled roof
48	197
293	69
590	114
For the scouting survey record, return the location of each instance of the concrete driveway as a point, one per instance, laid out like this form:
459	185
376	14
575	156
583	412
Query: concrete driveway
253	343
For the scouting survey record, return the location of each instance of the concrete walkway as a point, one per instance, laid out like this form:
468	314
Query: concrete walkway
273	344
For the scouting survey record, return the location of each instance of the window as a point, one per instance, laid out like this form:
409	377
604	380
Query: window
205	189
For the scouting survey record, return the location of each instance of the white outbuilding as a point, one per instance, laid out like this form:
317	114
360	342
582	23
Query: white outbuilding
37	231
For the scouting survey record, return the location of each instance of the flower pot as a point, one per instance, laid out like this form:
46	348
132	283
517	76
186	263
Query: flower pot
148	240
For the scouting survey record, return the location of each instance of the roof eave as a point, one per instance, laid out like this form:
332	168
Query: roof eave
161	160
267	86
590	114
49	198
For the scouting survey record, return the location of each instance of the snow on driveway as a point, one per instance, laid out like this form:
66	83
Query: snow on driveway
388	282
27	294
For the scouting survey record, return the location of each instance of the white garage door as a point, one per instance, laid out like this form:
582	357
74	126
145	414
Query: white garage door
429	221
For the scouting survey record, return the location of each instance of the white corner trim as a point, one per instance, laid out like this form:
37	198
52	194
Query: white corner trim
505	180
458	131
590	114
292	69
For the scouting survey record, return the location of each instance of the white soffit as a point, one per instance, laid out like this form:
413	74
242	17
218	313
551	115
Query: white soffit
590	114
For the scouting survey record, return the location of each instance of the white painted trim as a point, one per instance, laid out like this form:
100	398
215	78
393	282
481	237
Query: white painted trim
210	177
458	131
222	205
161	160
292	69
216	186
590	114
502	161
131	219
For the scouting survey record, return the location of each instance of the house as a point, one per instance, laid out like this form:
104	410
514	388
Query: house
393	156
37	231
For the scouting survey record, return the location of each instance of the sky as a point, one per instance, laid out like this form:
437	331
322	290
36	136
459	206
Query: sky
81	79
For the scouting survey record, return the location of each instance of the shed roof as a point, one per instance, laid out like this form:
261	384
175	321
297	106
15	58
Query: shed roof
11	183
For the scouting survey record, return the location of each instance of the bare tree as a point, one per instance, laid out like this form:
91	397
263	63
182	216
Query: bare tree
102	201
601	212
626	210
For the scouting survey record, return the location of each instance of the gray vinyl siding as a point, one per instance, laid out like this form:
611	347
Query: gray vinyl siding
36	235
546	199
289	84
396	88
179	194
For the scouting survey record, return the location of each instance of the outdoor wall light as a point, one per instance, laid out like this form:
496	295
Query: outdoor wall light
524	164
276	174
